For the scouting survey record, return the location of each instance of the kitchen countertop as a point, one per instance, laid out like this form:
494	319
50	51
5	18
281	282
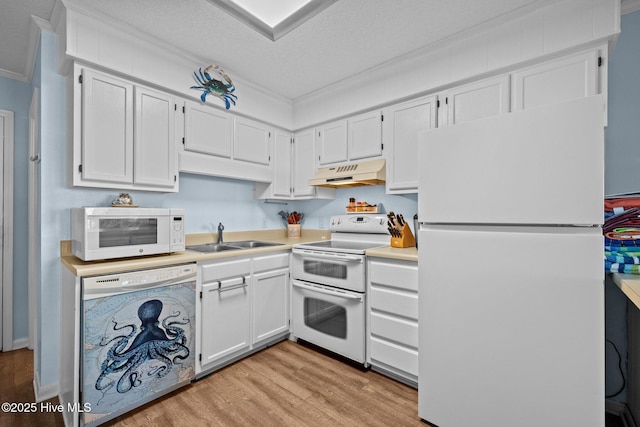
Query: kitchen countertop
89	268
406	254
630	285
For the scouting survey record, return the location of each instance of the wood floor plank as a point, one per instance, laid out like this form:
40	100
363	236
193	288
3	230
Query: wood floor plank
287	384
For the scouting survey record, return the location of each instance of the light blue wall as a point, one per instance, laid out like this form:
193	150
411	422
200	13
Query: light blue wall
318	212
622	155
16	96
622	175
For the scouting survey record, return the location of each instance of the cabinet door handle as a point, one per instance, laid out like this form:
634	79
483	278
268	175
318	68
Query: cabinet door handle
231	284
231	288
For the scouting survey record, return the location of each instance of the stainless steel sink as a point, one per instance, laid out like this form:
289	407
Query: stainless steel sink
245	244
231	246
213	247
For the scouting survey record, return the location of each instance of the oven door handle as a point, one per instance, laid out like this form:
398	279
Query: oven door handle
324	256
327	291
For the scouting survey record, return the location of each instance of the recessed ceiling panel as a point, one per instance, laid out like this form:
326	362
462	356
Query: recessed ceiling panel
273	19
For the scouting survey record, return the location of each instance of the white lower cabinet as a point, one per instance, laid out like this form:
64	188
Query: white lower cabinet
392	339
225	298
270	282
243	306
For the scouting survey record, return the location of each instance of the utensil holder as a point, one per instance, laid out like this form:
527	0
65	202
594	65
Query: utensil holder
406	240
293	230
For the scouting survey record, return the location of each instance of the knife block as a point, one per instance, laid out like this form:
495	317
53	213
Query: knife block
407	239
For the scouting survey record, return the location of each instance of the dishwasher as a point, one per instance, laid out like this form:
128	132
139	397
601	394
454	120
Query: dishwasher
138	330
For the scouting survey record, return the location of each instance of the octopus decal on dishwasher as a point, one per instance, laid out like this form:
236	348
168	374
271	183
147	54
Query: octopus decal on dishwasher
126	357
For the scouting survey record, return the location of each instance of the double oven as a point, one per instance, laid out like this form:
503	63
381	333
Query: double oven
329	285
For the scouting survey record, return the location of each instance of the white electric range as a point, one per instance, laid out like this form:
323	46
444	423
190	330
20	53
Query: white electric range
329	283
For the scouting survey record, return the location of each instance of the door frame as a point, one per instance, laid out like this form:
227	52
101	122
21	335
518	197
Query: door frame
7	231
34	217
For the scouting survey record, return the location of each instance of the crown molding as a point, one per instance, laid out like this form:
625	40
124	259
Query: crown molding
629	6
79	8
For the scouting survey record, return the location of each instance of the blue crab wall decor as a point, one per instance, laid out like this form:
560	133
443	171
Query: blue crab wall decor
209	84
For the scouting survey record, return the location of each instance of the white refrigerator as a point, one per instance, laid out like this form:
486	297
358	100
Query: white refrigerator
511	297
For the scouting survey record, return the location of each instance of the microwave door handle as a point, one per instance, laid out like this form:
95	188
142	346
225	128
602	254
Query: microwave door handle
327	291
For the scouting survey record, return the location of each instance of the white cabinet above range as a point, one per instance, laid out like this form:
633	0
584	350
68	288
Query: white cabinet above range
357	137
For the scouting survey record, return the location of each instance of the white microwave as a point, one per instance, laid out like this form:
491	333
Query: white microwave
107	233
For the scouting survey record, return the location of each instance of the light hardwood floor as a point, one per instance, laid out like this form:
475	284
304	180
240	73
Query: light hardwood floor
285	385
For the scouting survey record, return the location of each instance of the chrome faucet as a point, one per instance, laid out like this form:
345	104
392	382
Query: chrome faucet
220	229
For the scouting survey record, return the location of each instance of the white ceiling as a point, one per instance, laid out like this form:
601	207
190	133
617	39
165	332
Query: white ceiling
347	38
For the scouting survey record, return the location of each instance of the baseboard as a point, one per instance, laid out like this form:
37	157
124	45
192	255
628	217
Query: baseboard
46	392
621	410
20	343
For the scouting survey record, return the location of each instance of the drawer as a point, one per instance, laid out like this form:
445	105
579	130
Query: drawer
392	301
271	262
398	274
399	330
394	355
225	270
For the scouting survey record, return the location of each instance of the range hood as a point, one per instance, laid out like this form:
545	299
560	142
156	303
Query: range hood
371	172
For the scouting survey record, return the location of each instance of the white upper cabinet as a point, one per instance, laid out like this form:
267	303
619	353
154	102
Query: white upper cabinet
358	137
293	165
304	167
332	143
282	166
124	134
219	143
565	79
154	148
208	130
365	135
477	100
401	125
251	141
107	128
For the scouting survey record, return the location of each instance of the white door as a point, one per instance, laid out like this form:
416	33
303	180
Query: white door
304	167
208	130
271	304
154	149
6	222
561	80
474	101
401	126
539	166
107	128
229	307
251	141
511	326
365	135
2	283
332	143
281	164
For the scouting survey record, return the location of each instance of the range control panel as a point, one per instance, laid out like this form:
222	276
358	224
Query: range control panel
359	223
